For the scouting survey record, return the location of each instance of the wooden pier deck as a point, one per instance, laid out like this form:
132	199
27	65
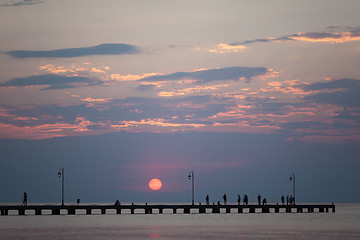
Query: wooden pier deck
162	208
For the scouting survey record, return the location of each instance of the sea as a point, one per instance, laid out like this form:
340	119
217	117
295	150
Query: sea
342	225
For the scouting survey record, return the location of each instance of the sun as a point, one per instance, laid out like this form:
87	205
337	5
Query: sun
155	184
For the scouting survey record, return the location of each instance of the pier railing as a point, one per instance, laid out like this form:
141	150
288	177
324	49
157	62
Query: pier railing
160	208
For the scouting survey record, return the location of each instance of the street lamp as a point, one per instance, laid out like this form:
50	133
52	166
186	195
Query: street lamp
191	177
61	174
292	179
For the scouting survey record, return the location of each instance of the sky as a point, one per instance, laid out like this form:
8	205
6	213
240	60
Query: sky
242	93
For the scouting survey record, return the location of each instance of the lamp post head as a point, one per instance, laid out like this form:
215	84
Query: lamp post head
189	176
290	179
59	174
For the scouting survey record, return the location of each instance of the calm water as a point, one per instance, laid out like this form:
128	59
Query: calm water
344	224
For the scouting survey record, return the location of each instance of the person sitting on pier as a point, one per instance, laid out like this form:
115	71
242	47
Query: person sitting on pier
259	199
117	203
224	197
282	199
239	199
207	199
264	201
25	199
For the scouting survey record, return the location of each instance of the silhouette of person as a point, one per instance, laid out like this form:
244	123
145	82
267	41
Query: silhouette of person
239	199
287	200
259	199
117	203
282	199
264	201
207	199
291	200
25	199
246	200
224	197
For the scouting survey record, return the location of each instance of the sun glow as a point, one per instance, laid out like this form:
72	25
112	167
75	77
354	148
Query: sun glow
155	184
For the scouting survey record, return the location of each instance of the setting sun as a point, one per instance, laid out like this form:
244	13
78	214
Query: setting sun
155	184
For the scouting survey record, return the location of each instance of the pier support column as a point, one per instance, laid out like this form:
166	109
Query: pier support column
132	211
321	209
103	211
71	211
187	210
4	212
88	211
37	211
277	209
288	209
148	210
21	211
160	210
118	211
216	210
202	210
56	211
265	210
240	210
251	210
299	210
228	210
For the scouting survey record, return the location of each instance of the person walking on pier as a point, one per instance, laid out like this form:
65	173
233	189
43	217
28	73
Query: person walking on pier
224	197
287	200
207	199
25	199
259	199
239	199
246	200
282	199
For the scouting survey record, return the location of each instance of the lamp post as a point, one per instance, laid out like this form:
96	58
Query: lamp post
292	179
191	177
61	174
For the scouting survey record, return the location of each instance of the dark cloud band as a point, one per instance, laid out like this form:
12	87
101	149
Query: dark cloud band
231	73
20	3
102	49
52	81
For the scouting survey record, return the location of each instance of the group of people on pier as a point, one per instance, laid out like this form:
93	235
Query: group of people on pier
289	200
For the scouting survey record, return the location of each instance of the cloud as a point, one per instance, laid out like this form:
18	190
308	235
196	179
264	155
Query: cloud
209	75
343	92
102	49
52	81
17	3
352	34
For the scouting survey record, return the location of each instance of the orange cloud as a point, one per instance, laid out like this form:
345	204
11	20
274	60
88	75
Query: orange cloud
131	77
158	122
226	48
187	91
327	37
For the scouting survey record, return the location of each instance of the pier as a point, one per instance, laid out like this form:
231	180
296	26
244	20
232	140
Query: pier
162	208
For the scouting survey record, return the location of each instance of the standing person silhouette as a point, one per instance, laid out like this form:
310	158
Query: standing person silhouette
207	199
224	197
25	199
282	199
259	199
239	199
